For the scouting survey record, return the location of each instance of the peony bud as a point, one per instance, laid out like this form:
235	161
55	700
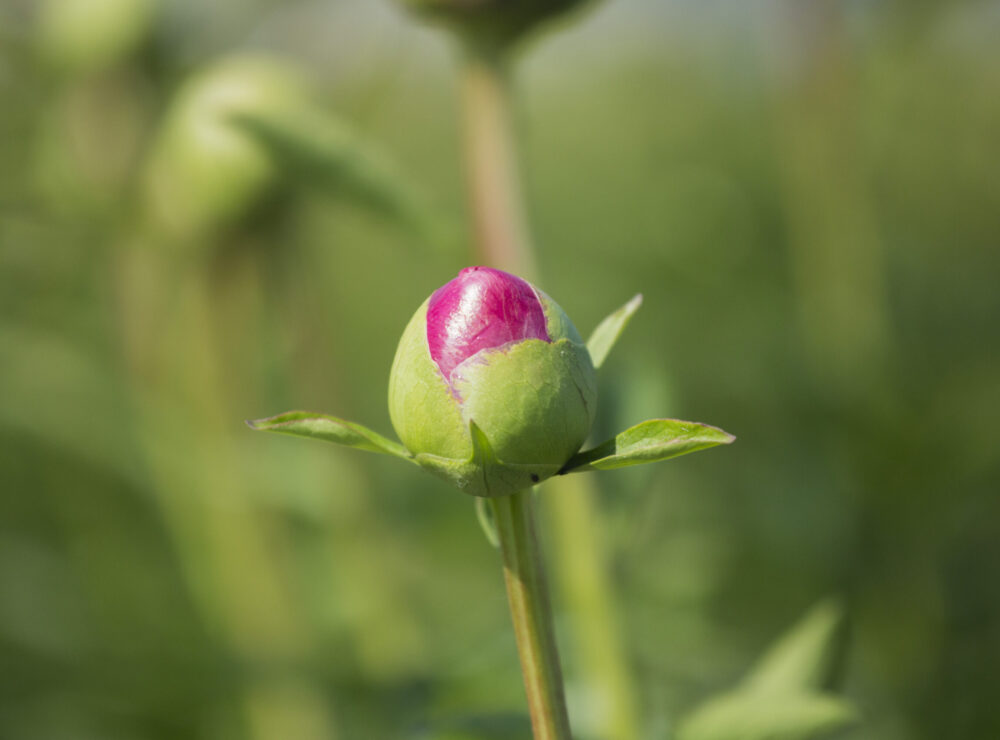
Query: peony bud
493	22
206	173
492	385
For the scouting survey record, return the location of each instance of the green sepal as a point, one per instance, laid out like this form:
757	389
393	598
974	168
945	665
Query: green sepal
330	429
535	400
649	441
483	474
604	337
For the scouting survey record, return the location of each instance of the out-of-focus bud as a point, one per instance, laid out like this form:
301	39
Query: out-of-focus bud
89	35
491	370
494	23
206	172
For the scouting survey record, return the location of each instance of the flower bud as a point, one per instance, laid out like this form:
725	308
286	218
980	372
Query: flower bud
85	36
492	22
492	384
205	172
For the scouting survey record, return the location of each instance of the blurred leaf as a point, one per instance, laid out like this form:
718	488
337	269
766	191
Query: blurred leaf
330	429
326	154
782	697
603	338
807	656
746	715
649	441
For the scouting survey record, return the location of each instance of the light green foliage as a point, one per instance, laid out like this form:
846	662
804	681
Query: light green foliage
807	657
649	441
786	696
604	337
745	716
327	155
329	429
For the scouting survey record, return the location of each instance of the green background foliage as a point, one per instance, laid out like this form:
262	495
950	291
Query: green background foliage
807	196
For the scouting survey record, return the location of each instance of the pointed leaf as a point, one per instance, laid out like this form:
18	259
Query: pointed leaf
325	153
808	656
330	429
650	441
747	716
603	338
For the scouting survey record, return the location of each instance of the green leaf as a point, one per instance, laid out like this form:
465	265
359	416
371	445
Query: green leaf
326	154
649	441
603	338
745	715
808	656
330	429
784	696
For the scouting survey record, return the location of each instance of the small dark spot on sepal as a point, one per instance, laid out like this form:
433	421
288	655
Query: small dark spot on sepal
534	478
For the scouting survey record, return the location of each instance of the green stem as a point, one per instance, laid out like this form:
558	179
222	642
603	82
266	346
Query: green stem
528	595
491	165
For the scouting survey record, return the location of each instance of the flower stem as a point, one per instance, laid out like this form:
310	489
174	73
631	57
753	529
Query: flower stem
528	595
491	165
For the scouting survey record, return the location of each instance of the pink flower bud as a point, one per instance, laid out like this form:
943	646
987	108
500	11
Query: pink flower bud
489	350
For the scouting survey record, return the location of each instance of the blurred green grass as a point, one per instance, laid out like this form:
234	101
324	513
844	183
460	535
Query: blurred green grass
808	200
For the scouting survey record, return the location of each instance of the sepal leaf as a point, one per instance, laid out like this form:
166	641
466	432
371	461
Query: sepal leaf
330	429
604	337
483	474
648	441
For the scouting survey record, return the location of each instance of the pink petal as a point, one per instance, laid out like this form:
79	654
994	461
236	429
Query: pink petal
481	309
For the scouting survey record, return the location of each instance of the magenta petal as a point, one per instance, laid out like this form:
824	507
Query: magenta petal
480	309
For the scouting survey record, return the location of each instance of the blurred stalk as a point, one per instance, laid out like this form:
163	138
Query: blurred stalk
502	240
836	253
184	424
531	612
268	298
494	181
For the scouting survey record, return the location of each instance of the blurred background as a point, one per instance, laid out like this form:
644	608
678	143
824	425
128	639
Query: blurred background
808	196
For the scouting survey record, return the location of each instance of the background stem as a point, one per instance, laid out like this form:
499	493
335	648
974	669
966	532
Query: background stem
491	166
531	612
